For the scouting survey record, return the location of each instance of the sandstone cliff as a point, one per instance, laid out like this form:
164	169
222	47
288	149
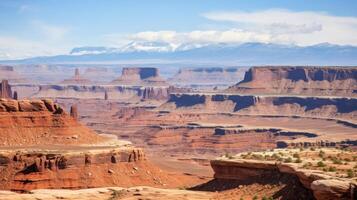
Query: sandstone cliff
140	77
323	187
40	122
210	76
70	167
313	81
5	90
101	91
264	105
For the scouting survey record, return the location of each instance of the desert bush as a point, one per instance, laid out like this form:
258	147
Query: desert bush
321	164
321	154
312	149
298	160
350	173
288	160
332	169
296	155
336	161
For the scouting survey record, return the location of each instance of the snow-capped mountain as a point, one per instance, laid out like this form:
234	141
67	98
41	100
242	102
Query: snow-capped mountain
237	54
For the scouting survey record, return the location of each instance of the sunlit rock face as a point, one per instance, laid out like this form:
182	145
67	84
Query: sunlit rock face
314	81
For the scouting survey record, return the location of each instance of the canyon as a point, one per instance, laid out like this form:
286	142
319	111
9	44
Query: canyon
177	131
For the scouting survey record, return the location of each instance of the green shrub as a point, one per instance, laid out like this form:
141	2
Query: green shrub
336	161
288	160
298	160
350	173
321	154
332	169
296	155
321	164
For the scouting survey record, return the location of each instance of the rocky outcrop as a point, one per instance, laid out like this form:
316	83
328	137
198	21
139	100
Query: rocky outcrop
74	112
263	105
317	143
139	76
313	81
5	90
322	186
100	91
40	122
76	79
72	168
208	76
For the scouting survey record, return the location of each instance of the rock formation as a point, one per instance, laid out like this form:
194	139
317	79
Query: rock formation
97	92
74	112
34	122
264	105
5	90
76	79
71	168
15	96
313	81
323	187
210	76
106	95
140	77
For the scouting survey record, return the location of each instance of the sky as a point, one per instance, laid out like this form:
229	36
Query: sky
50	27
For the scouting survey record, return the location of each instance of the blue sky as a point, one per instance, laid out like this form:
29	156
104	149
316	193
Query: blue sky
48	27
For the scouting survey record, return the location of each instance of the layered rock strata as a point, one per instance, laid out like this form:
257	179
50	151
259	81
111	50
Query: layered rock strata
5	90
263	105
71	167
315	81
210	76
140	76
35	122
103	92
324	187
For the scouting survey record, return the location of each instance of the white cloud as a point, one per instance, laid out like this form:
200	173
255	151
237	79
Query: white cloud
268	26
303	28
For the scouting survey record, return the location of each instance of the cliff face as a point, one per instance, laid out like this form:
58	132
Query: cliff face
35	122
5	90
323	187
101	91
69	168
325	81
140	76
214	76
264	105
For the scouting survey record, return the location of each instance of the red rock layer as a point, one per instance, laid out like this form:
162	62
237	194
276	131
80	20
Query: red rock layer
40	122
140	76
5	90
328	81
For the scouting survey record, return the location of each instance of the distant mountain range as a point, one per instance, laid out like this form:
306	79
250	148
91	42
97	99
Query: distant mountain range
233	54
